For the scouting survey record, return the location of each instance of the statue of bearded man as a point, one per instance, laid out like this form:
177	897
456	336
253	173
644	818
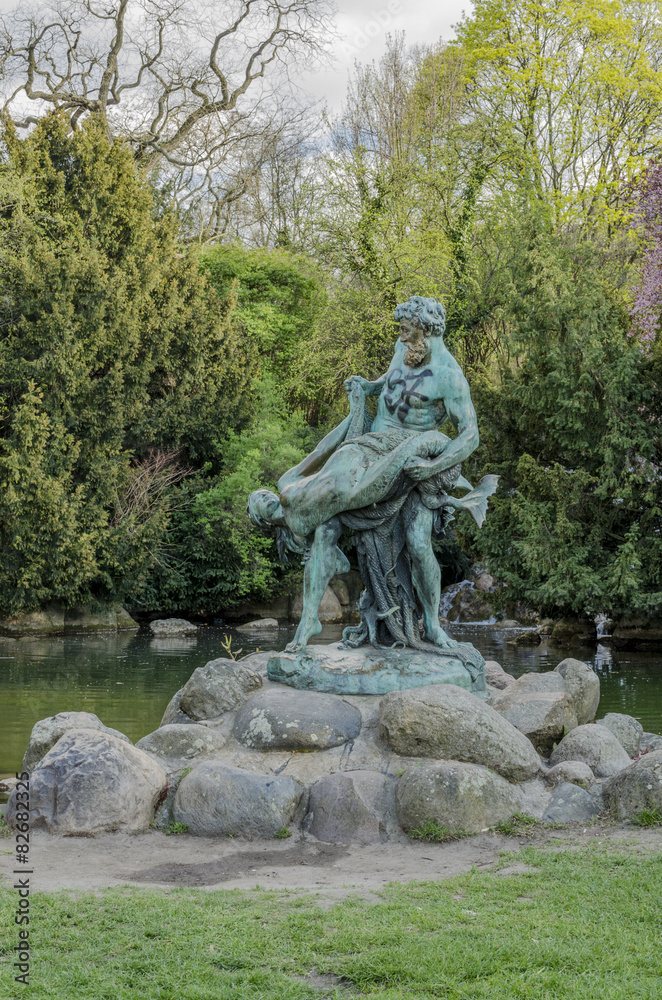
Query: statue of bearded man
389	480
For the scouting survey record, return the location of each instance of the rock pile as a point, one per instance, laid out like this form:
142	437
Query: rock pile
239	754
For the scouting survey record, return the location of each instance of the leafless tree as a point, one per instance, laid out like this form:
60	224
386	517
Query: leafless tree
202	93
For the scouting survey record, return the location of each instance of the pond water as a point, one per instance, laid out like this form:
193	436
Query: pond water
127	679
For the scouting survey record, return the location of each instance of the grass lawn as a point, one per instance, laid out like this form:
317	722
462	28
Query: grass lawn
581	925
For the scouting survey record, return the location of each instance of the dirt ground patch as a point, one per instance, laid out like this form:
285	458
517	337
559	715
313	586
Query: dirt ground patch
154	860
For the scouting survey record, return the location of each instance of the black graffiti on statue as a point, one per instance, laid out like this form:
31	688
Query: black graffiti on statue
408	395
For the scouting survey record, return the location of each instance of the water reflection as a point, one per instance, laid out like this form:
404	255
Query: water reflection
127	679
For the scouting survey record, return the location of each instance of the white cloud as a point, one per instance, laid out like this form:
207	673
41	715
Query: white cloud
363	26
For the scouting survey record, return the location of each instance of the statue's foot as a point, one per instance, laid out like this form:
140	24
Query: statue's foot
304	632
437	635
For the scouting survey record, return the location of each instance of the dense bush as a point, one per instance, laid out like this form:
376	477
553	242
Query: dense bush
571	423
213	558
119	366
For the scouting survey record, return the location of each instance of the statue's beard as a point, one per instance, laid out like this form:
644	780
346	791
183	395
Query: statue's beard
415	356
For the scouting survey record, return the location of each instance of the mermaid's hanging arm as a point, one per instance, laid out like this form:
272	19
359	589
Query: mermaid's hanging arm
313	462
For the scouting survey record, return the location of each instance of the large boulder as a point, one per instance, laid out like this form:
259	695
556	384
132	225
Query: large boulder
259	625
638	632
91	782
330	609
468	606
529	637
540	707
570	804
102	618
173	711
627	730
574	631
637	788
595	746
458	797
650	741
47	621
176	746
496	676
217	800
172	626
296	720
445	721
47	732
573	772
218	687
583	685
352	805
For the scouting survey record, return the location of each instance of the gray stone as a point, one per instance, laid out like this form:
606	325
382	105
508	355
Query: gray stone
446	722
330	610
335	670
341	590
257	662
91	782
650	741
569	804
260	624
540	707
529	637
627	730
215	800
296	720
218	687
595	746
574	772
173	712
47	621
574	631
535	797
496	676
583	685
484	582
47	732
637	788
469	606
176	746
458	797
353	806
172	626
104	618
508	623
638	632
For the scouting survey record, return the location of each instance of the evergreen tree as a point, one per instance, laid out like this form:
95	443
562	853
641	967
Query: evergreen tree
119	367
571	423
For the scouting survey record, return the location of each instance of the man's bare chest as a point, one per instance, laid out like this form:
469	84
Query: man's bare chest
411	394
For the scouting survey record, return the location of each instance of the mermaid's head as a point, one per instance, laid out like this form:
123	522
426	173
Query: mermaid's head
265	510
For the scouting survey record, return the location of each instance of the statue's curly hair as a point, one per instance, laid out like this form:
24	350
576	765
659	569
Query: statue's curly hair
423	312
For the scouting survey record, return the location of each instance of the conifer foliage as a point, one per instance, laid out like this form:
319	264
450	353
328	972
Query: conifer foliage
119	368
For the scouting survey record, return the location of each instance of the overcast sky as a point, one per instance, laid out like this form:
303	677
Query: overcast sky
363	25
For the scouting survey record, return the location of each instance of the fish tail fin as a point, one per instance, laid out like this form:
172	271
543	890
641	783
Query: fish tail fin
476	501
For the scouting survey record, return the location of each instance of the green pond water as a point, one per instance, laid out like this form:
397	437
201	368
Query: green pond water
128	679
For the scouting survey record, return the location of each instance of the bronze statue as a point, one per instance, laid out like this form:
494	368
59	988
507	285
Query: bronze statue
388	479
